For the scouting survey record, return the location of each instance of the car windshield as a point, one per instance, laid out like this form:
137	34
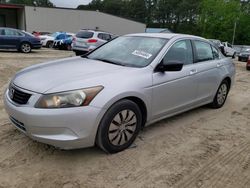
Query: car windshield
129	51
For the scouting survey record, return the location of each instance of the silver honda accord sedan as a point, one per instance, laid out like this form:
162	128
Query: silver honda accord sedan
107	96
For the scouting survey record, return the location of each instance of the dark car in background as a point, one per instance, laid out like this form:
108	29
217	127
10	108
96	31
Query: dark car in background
17	39
63	41
244	54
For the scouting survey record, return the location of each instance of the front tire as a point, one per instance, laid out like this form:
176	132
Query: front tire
49	44
221	95
119	126
25	47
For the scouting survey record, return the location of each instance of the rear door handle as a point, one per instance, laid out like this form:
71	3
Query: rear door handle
193	71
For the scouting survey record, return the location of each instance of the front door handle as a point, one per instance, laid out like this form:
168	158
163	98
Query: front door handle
193	71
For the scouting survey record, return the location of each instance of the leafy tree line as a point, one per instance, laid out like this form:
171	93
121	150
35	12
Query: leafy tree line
207	18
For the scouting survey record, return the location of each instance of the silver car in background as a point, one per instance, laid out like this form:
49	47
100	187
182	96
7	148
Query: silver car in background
88	40
109	95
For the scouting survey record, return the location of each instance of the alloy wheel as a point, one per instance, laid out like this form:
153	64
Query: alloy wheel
222	94
122	127
26	48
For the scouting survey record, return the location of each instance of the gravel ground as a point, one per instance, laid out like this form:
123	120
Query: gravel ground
199	148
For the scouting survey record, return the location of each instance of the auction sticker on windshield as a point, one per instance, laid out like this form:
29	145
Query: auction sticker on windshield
142	54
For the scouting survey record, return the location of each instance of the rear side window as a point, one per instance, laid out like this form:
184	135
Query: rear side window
1	32
84	34
203	51
180	52
104	36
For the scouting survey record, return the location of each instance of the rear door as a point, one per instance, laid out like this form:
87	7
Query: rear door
208	63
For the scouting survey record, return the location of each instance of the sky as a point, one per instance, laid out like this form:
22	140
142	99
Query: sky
69	3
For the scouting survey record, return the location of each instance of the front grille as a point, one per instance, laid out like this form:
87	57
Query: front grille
18	96
18	124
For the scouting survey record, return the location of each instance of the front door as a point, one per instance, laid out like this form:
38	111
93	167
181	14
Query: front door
175	91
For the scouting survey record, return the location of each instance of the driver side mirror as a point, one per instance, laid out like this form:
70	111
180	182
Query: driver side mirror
170	67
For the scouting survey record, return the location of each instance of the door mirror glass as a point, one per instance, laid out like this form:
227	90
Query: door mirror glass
170	67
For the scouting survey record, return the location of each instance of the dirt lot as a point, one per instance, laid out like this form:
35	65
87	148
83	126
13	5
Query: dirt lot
200	148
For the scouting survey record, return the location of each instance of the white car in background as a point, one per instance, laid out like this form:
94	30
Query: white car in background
87	40
229	50
48	40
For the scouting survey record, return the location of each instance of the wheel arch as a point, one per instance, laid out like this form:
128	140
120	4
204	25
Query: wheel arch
228	79
24	41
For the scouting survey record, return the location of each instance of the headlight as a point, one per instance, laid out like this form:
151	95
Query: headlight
69	99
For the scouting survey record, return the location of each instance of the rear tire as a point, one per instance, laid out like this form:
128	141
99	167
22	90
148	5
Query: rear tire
221	95
25	47
119	126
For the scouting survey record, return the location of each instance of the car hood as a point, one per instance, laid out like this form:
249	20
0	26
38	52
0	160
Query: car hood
68	74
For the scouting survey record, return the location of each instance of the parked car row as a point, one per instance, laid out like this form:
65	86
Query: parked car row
83	42
225	47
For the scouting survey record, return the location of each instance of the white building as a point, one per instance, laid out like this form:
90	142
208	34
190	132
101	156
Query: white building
32	18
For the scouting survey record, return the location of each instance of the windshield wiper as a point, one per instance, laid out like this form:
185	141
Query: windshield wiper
108	61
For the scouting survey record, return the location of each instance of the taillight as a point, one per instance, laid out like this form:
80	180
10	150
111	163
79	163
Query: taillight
92	41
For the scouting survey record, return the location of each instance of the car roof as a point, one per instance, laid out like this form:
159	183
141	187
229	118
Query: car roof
164	35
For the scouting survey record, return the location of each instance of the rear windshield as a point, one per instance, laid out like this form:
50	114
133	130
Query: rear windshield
84	34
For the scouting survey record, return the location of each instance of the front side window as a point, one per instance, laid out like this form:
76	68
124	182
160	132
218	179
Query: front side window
203	51
130	51
180	52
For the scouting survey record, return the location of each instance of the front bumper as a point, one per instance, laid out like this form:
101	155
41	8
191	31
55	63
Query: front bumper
67	128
